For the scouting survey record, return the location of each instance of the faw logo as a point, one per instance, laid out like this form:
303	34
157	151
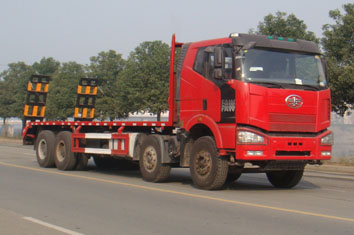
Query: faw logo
294	101
228	105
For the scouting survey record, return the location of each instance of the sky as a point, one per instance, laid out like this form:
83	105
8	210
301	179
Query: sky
75	30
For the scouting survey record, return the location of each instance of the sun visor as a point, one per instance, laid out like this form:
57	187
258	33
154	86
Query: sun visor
262	41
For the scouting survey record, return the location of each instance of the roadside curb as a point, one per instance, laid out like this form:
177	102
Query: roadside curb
331	169
5	140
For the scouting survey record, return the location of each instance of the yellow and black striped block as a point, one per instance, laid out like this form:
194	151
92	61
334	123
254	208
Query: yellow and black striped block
37	89
86	99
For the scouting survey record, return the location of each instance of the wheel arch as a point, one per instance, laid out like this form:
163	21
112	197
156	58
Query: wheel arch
203	125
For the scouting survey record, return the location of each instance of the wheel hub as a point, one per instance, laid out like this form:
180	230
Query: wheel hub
42	149
60	151
150	159
203	163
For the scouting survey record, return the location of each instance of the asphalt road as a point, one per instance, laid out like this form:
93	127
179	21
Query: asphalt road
35	200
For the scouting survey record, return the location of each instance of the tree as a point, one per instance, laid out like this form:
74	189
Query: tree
107	67
145	80
46	66
6	102
62	91
15	80
338	44
287	26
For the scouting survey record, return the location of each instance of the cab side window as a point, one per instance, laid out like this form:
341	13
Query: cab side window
204	62
228	62
210	64
199	60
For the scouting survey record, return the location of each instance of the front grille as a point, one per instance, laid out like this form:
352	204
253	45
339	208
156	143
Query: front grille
292	118
292	122
292	153
292	127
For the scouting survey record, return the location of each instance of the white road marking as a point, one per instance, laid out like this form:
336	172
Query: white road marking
52	226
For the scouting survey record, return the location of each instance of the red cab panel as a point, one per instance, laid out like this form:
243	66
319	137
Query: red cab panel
272	109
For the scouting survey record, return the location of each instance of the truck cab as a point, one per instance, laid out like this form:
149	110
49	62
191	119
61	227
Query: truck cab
264	99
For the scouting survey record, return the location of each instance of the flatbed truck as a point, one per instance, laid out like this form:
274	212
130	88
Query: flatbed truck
239	104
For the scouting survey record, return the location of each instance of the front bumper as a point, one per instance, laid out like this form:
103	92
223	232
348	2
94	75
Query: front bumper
285	148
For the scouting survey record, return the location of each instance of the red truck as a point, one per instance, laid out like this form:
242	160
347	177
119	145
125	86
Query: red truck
240	104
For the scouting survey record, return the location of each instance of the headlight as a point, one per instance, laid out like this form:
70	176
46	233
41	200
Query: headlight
327	140
249	137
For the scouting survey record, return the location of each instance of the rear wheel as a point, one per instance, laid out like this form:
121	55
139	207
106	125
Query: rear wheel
65	159
208	169
150	164
285	179
45	148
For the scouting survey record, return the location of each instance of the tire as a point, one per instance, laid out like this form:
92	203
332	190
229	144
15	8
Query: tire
151	168
285	179
45	149
82	161
65	159
208	170
232	177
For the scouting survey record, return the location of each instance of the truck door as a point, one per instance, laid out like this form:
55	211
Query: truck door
217	96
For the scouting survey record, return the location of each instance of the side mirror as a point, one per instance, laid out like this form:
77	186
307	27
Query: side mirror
218	73
219	55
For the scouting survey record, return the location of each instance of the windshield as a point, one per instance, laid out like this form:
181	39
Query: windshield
280	68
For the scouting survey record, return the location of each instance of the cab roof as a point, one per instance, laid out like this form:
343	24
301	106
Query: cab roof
262	41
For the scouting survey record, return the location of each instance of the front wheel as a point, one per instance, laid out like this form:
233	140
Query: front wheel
285	179
208	169
150	159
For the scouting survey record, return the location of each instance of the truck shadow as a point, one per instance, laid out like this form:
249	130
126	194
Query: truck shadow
115	172
260	182
245	185
247	182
